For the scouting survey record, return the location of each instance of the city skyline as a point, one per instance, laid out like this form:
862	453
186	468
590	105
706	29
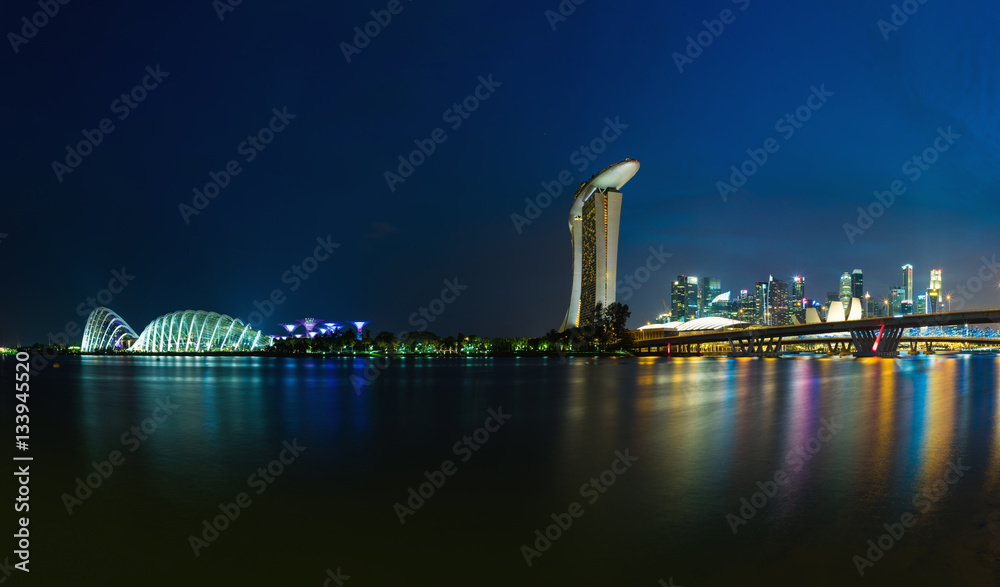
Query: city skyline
892	300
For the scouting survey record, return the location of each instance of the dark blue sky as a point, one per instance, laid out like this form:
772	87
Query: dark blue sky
324	173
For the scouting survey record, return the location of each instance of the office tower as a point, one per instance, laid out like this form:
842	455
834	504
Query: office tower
797	302
935	279
871	307
692	298
778	299
896	296
710	287
760	302
857	284
771	307
934	295
933	301
719	306
846	291
593	228
742	307
678	299
921	304
908	280
907	307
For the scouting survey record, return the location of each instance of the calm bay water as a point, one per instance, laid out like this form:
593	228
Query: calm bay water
852	444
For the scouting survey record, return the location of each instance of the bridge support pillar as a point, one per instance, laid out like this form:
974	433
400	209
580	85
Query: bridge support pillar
876	342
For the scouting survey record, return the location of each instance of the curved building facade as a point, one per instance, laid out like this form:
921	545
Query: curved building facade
106	330
593	227
177	332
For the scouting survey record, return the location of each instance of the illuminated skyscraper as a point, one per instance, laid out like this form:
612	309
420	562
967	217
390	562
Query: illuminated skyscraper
846	291
678	299
896	296
693	297
908	280
771	303
857	284
593	227
934	296
797	303
710	288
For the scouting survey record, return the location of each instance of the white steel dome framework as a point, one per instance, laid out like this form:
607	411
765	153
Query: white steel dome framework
177	332
105	330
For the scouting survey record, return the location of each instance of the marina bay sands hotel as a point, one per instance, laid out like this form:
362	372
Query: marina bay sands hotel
593	227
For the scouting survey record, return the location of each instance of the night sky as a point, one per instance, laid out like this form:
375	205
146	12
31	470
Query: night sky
886	93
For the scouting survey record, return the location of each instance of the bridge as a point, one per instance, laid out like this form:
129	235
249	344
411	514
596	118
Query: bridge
870	337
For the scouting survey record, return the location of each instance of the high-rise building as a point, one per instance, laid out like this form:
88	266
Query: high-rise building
693	297
857	284
779	303
934	295
871	306
742	307
933	301
908	280
907	307
921	307
797	301
846	291
771	308
709	288
935	279
593	227
678	299
896	296
719	306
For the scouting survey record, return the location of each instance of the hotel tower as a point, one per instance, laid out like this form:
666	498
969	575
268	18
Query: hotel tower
593	227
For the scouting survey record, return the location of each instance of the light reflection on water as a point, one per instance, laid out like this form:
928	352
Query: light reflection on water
707	431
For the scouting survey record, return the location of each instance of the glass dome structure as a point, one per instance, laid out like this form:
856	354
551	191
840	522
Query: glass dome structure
186	331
